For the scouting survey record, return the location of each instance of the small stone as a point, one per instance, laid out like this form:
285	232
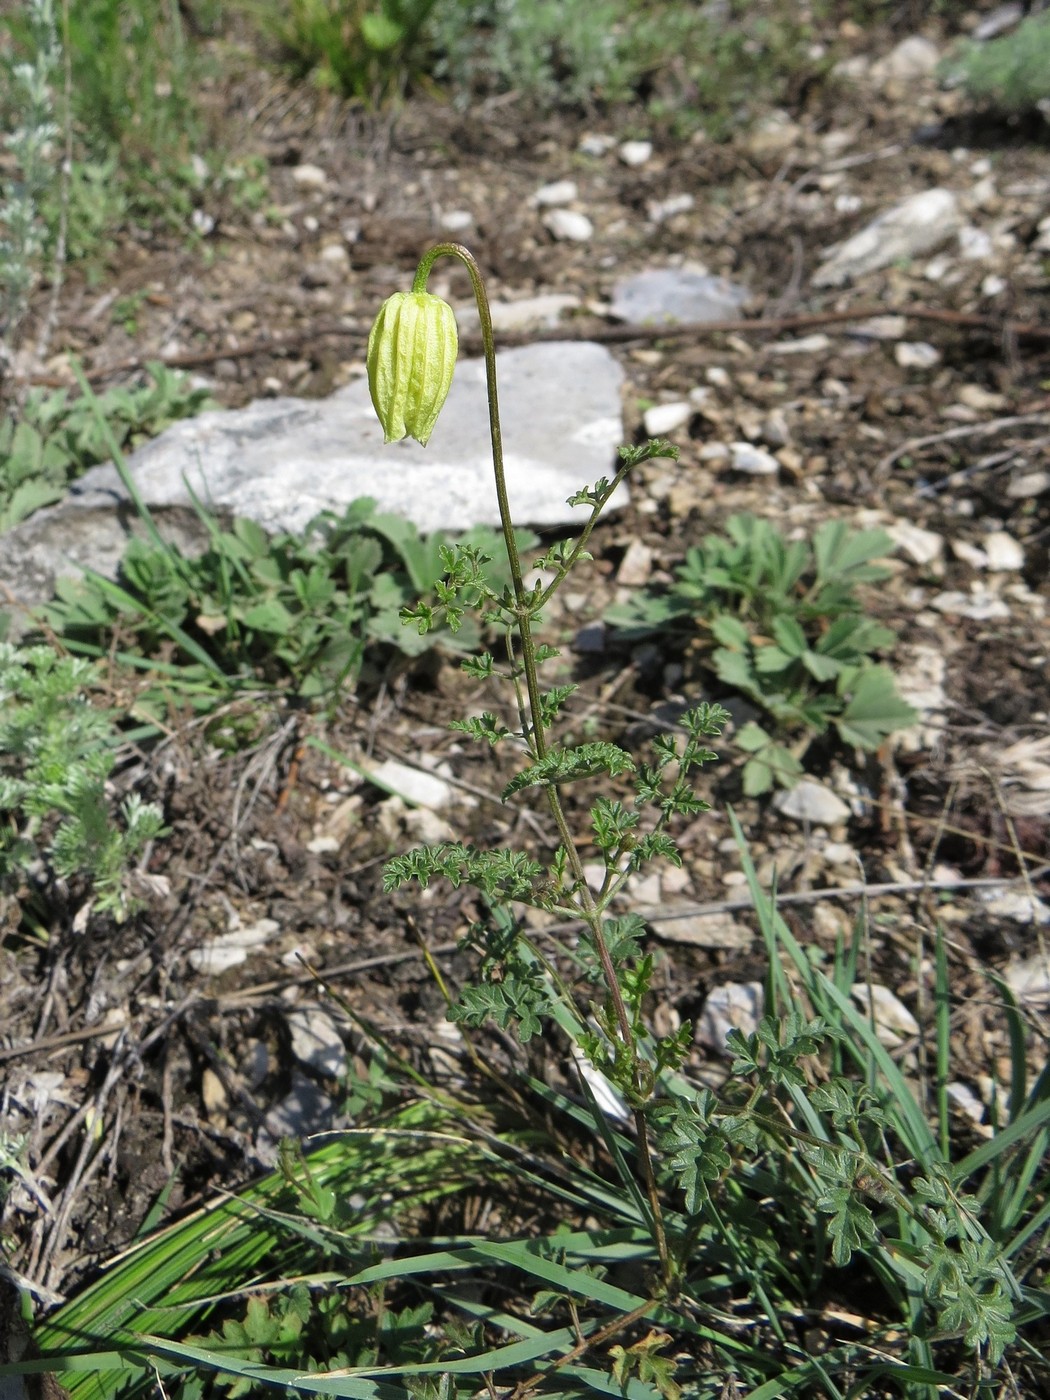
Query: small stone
888	327
804	345
848	203
1029	979
753	461
635	566
732	1006
1026	485
316	1042
914	57
983	400
310	177
213	1094
719	377
672	295
554	193
322	845
774	431
701	930
811	802
596	143
921	546
664	418
840	853
645	889
568	226
916	225
336	254
1004	553
916	354
203	222
1017	905
937	269
457	220
974	244
979	604
993	285
715	454
412	785
660	210
635	153
894	1023
1002	18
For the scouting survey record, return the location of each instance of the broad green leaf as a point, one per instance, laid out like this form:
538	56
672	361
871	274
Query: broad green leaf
875	710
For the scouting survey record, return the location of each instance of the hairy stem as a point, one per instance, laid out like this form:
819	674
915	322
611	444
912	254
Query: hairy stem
525	607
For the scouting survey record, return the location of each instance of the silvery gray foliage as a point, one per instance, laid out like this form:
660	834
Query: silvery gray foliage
31	144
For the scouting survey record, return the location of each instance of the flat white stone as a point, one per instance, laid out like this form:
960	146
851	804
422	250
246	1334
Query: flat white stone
811	802
894	1023
316	1042
1004	553
921	546
916	225
745	457
412	784
310	177
666	417
635	153
568	226
804	345
554	193
916	354
281	461
732	1006
670	295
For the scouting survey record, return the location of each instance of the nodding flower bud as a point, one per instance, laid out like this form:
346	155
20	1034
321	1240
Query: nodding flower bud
411	355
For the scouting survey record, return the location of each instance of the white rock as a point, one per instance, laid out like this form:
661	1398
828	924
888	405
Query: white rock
336	254
993	284
411	784
1028	484
700	930
322	845
916	354
914	57
732	1006
543	310
635	152
660	210
754	461
636	565
1004	553
811	802
970	554
979	604
596	143
894	1023
983	400
1029	979
218	955
719	377
974	244
457	220
676	294
1017	905
568	226
804	345
916	225
554	193
840	853
921	546
203	222
316	1042
664	418
310	177
848	203
966	1100
937	269
281	461
1002	18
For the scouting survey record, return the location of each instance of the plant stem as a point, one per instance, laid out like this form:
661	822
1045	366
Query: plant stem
525	606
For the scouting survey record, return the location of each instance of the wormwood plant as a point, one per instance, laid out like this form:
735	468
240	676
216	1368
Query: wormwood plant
56	758
31	147
789	633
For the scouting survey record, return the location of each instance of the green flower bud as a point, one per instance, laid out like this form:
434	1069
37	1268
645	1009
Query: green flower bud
411	355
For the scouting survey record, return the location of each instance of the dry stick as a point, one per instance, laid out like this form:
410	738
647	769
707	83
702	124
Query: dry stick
997	425
603	334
